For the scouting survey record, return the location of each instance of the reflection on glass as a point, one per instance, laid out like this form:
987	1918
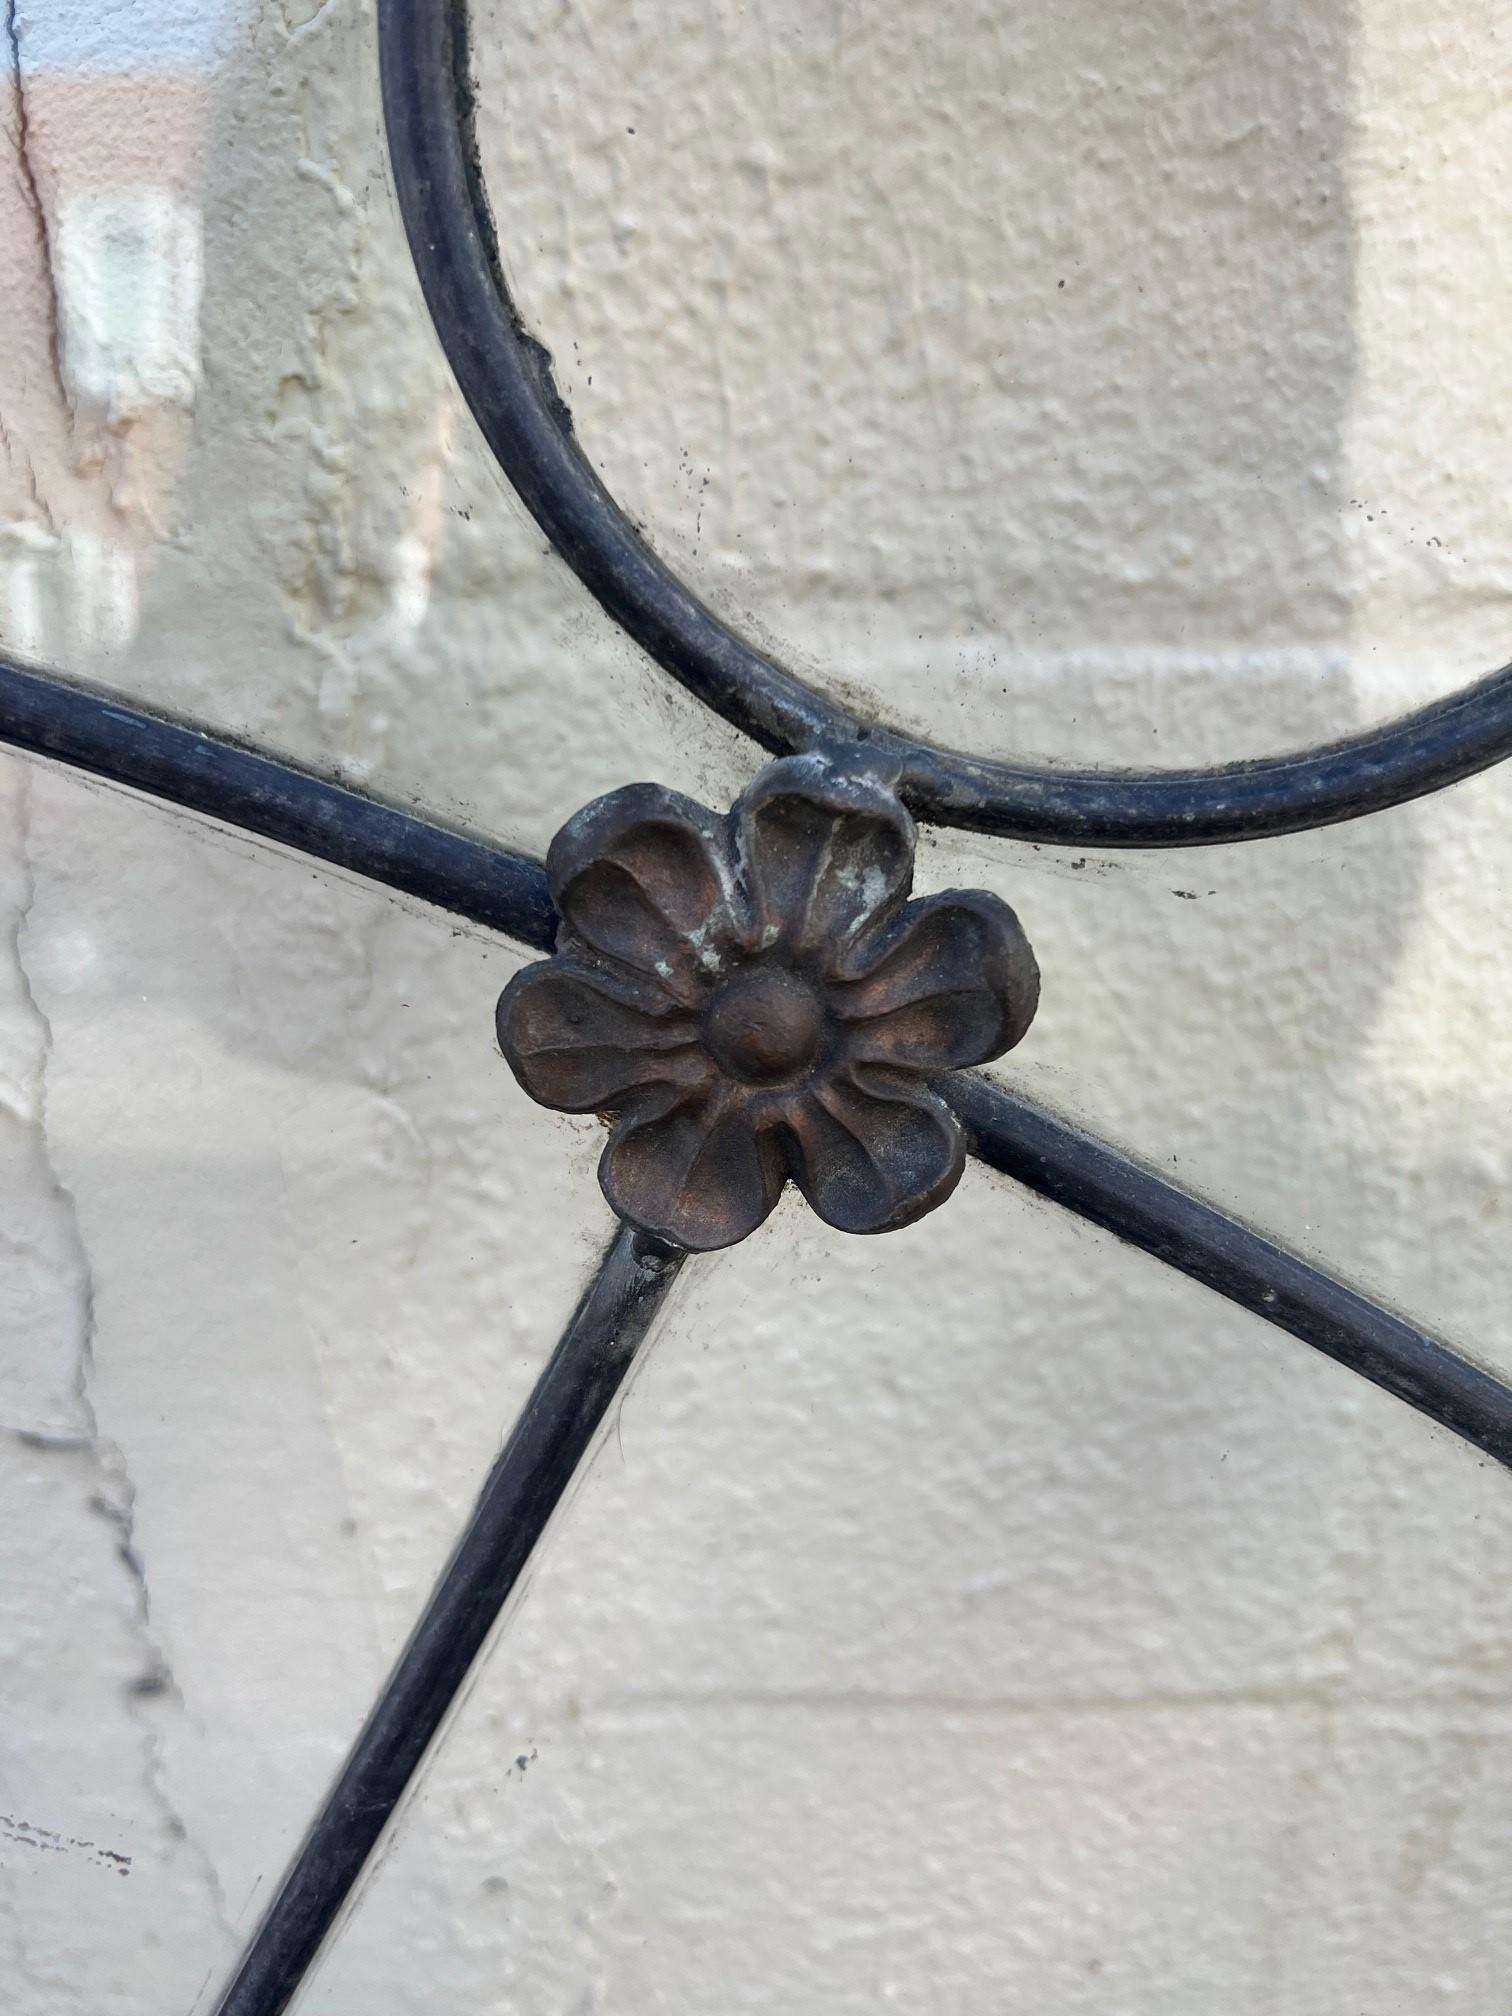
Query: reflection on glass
102	228
983	1617
235	479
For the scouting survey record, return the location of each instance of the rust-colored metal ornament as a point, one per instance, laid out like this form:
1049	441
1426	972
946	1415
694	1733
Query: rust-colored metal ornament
752	999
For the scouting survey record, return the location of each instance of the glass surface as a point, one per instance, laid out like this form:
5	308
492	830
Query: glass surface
978	1618
1306	1031
282	1253
235	478
812	267
326	557
977	354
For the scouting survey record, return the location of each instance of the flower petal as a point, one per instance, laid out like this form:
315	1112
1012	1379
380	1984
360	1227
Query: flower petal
580	1039
694	1170
951	982
871	1158
825	854
642	877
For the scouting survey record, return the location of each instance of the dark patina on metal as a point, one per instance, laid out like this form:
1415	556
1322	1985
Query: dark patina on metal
753	999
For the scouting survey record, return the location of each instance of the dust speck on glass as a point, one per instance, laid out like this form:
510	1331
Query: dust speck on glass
748	998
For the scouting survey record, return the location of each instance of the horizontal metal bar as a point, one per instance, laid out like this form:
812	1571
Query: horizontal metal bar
535	1468
1110	1189
506	378
277	800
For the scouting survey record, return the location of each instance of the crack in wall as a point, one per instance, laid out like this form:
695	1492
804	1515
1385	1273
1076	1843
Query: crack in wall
33	193
112	1493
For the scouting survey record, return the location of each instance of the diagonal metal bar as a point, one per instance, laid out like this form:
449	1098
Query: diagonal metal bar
277	800
507	892
533	1471
1110	1189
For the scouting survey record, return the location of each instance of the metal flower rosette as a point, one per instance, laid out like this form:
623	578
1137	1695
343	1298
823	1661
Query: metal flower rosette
753	999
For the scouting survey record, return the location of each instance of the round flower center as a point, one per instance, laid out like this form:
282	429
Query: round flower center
764	1024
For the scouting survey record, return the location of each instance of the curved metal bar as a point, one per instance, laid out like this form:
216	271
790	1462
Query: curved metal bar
506	378
1098	1183
538	1462
472	878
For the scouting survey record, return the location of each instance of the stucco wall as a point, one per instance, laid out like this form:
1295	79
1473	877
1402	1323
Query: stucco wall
981	1619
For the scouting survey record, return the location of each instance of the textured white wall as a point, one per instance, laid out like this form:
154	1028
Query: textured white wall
981	1619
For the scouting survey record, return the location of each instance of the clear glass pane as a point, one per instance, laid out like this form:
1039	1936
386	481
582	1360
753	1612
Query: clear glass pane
1009	366
1248	458
1306	1030
282	1252
981	1617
